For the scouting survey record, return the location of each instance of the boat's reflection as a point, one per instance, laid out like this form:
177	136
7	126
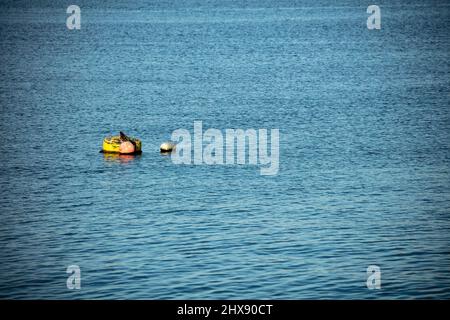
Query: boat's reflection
121	158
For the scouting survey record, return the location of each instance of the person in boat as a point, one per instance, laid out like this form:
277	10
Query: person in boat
126	144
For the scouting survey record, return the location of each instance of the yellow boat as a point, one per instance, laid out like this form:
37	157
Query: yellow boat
111	144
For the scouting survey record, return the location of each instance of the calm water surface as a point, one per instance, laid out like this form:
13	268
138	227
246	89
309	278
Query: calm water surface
364	174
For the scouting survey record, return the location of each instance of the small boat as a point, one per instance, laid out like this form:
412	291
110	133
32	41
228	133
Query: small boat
111	144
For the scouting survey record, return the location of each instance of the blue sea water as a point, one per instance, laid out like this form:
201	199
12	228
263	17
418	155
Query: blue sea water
364	174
